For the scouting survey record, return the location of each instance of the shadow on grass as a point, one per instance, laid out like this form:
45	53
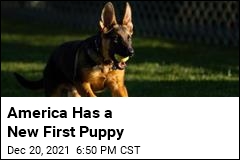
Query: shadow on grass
10	88
213	59
16	52
216	60
183	88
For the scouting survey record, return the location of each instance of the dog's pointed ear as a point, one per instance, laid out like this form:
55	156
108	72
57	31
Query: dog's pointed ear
127	19
108	17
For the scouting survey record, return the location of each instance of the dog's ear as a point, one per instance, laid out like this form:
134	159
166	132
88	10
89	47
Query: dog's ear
108	18
127	19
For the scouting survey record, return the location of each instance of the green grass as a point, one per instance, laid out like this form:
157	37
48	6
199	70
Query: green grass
160	67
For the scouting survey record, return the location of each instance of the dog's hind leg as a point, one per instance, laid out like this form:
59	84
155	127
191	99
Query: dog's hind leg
72	92
59	91
85	90
118	90
65	91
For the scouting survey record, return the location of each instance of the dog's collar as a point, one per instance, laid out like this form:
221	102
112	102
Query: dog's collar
97	44
94	53
75	65
94	50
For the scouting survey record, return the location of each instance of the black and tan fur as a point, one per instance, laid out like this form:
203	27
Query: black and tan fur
83	68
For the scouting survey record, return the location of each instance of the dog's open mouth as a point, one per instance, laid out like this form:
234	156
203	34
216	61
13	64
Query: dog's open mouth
121	61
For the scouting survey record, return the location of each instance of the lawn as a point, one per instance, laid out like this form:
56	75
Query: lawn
160	68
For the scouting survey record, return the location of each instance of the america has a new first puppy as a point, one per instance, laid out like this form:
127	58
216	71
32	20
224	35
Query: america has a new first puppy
83	68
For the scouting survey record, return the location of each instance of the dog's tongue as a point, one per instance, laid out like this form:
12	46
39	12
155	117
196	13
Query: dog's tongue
122	65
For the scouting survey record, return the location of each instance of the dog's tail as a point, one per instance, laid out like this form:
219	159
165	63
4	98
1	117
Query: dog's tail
33	85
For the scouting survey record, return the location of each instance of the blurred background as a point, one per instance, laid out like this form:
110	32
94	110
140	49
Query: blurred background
183	48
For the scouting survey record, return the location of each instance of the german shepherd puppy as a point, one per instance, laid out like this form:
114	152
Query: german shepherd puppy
83	68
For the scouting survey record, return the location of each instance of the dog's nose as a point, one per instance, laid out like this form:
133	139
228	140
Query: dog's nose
131	51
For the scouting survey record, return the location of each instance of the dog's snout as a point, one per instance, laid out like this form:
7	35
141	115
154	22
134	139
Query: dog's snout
131	51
